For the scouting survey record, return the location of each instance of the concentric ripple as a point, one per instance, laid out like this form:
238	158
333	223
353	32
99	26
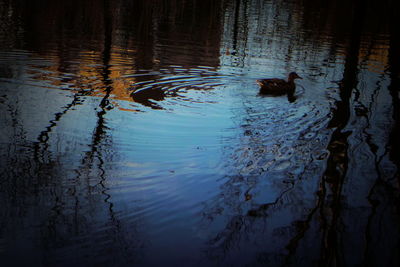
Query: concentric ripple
176	85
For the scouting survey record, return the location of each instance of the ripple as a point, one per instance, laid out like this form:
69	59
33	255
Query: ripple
279	136
177	83
282	165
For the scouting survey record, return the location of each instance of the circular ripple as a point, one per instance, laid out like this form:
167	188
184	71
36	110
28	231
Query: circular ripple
176	85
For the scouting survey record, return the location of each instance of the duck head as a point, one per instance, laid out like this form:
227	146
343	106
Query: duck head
293	76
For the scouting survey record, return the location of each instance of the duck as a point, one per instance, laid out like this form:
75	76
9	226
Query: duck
276	86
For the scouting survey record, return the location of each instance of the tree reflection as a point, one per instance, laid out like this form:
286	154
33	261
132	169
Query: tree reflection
302	180
394	70
65	206
313	222
337	163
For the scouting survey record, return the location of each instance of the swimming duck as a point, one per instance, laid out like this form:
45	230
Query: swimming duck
276	86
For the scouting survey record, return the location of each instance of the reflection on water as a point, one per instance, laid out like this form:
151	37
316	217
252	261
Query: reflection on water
133	133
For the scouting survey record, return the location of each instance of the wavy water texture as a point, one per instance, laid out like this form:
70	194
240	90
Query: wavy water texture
133	133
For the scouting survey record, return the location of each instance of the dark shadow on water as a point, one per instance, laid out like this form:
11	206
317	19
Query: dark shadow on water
394	88
290	96
145	97
337	163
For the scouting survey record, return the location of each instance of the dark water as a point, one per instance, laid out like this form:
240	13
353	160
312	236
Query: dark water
132	133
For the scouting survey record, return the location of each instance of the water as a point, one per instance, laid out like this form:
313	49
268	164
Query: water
133	133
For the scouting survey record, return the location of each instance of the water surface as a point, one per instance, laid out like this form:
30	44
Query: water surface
133	133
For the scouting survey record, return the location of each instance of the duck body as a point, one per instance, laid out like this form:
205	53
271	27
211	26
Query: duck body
276	86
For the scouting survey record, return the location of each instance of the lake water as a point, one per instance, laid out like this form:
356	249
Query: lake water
133	134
